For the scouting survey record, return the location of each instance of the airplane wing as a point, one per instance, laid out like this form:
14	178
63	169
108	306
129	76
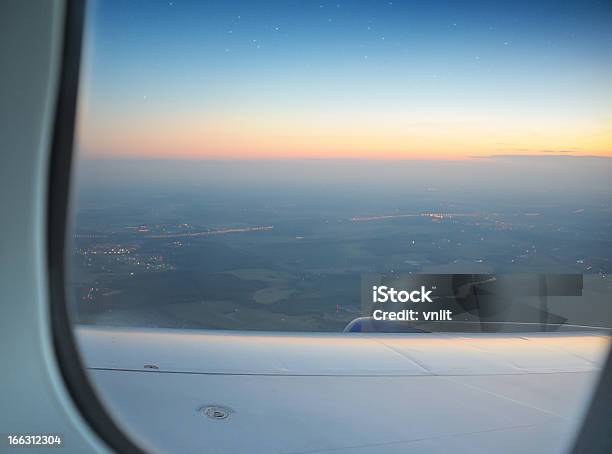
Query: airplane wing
199	391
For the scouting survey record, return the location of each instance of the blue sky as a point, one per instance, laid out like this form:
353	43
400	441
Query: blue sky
346	79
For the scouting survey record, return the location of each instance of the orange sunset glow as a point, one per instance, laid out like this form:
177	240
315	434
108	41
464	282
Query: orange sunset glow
367	135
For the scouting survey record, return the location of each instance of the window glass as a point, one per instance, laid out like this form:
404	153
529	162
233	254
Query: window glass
304	226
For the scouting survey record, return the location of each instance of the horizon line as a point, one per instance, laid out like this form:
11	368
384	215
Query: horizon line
545	156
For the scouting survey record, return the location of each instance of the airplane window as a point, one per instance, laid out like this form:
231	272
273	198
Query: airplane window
329	200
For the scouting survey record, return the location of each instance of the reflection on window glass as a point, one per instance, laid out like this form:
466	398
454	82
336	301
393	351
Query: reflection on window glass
296	166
